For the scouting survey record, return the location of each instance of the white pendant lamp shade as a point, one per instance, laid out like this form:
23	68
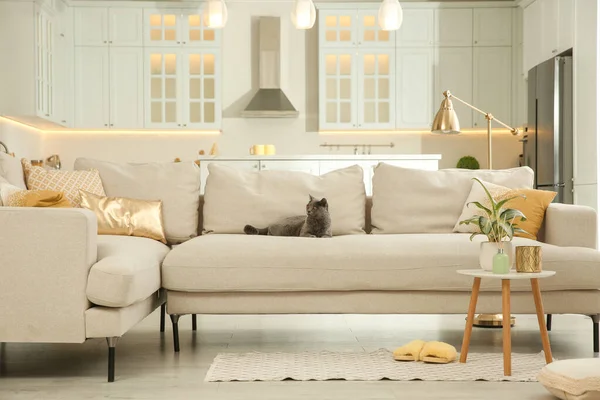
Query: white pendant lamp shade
304	14
390	15
215	13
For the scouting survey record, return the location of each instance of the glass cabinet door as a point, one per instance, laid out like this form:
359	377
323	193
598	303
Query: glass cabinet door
338	95
376	89
337	28
163	87
369	32
162	27
201	89
195	33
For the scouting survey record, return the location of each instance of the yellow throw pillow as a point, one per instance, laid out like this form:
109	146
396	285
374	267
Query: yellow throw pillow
37	198
533	205
127	217
67	182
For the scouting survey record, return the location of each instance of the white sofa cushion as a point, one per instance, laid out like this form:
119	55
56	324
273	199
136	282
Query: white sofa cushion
222	263
127	271
577	379
176	184
234	198
418	201
12	170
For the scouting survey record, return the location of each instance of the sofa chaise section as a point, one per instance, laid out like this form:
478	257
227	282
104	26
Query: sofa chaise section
61	282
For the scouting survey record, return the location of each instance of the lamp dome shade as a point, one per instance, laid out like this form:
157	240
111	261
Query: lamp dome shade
390	15
446	120
215	14
303	14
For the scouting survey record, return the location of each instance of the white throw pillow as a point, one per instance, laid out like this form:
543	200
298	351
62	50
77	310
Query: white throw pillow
418	201
12	170
176	184
234	198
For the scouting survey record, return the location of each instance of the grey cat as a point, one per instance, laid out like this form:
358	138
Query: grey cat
316	223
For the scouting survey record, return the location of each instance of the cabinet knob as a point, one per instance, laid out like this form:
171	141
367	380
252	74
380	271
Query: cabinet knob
63	121
47	115
105	124
178	124
475	124
178	42
105	41
110	41
183	42
184	124
554	51
112	124
255	166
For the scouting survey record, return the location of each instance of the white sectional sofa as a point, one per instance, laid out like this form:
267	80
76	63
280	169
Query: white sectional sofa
62	282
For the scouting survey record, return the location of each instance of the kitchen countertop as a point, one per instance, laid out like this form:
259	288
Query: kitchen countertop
328	157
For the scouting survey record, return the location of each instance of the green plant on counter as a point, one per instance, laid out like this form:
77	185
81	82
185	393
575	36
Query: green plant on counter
497	223
468	162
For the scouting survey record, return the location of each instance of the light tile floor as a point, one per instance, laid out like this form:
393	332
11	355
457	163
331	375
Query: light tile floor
147	368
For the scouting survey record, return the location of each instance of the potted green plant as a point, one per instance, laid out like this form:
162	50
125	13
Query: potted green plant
498	224
467	162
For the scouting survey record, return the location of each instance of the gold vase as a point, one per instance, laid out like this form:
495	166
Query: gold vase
529	259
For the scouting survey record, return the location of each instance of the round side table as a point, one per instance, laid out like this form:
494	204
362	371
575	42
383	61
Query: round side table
477	275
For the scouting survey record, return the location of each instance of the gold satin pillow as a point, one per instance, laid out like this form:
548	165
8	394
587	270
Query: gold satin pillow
127	217
38	198
533	205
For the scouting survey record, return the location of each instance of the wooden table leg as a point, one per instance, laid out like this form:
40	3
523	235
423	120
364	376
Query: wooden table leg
506	344
470	317
539	308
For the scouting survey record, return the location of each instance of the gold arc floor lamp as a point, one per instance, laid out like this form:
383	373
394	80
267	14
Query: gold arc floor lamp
446	122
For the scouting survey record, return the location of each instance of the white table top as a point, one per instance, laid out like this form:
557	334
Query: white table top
513	274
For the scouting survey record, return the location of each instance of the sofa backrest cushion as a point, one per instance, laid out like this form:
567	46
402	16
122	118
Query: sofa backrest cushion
234	198
418	201
176	184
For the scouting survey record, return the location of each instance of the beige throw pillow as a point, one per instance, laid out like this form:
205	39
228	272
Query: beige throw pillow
234	198
418	201
67	182
177	185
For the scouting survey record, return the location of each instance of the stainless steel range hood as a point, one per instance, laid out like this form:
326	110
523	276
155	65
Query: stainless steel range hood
270	101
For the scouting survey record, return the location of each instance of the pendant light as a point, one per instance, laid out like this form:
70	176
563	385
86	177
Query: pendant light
390	15
215	14
303	14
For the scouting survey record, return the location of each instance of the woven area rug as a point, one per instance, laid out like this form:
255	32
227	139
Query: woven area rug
378	365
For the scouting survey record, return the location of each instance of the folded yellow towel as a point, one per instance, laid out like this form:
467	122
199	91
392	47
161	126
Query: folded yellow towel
410	351
438	352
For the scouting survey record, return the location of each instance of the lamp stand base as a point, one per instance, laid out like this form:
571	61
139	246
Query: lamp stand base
491	321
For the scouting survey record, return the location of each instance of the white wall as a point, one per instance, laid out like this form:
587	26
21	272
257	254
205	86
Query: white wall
290	136
25	142
585	104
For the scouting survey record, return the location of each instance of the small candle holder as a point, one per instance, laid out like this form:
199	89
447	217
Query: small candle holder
529	259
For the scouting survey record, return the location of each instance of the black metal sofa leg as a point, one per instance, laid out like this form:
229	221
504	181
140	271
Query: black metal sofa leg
112	343
163	311
549	322
596	320
194	322
175	321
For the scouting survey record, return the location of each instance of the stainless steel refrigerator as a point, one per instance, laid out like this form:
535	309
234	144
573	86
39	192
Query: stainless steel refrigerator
548	140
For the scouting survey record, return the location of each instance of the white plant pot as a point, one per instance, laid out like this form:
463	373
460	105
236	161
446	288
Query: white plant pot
489	249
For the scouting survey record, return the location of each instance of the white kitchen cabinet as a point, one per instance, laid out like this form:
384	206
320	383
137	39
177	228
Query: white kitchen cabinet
492	83
352	28
415	72
178	27
183	88
492	26
370	34
454	72
92	87
453	27
109	87
566	24
548	30
532	35
417	29
63	75
376	92
44	50
126	87
338	95
102	26
308	166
